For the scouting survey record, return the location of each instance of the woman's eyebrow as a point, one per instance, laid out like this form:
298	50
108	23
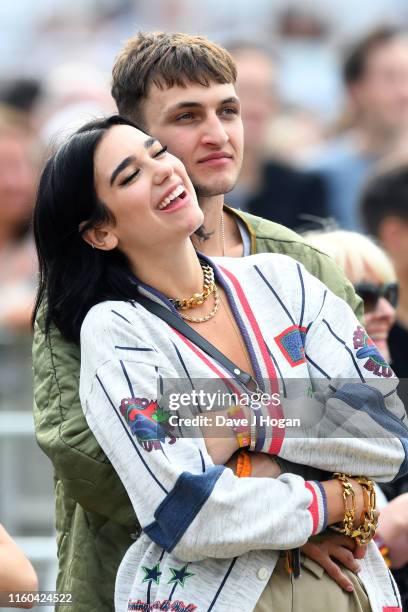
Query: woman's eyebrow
123	164
130	159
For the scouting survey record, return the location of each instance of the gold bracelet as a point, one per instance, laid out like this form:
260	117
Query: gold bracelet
369	517
349	500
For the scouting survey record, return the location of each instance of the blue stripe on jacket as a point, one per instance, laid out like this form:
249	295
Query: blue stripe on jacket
364	397
180	507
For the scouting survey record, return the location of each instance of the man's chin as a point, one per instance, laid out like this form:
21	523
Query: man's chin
216	188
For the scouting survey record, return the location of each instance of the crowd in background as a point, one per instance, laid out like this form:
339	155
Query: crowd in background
324	95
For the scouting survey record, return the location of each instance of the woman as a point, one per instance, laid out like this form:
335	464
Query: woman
369	269
113	222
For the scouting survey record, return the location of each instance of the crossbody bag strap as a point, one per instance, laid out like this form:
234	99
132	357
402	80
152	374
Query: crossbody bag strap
188	332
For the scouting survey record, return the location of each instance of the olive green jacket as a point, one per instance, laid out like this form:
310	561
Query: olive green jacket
95	520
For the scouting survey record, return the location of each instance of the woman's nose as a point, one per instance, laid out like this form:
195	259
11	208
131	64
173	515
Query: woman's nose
162	170
385	310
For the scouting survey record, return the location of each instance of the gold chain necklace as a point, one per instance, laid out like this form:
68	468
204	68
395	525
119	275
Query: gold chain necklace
197	299
207	317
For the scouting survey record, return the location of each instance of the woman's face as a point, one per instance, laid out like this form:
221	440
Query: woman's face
379	319
147	190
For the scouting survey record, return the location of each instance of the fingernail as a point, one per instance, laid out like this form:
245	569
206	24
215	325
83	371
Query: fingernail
350	588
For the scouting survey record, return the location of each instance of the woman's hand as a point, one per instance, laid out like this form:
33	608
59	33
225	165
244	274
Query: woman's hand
334	548
219	436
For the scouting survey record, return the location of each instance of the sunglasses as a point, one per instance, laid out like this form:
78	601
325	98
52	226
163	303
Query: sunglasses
370	294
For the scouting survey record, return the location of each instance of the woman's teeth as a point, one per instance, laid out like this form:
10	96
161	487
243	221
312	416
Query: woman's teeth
174	194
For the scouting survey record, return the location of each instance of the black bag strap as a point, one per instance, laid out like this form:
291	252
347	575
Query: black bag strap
177	323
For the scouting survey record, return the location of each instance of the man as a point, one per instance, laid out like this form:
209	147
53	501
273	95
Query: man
375	74
268	187
180	89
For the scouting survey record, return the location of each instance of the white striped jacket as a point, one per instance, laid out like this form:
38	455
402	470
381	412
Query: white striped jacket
211	540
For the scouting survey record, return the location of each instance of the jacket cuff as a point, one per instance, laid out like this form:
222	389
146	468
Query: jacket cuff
318	506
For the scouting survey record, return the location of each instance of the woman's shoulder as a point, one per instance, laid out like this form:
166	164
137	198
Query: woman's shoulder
106	315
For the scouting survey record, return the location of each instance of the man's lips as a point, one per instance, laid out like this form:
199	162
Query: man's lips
214	157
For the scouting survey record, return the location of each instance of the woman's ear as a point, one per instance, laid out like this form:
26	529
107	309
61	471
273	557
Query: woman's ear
102	238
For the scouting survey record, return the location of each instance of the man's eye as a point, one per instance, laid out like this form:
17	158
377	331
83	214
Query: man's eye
184	117
230	111
161	152
129	178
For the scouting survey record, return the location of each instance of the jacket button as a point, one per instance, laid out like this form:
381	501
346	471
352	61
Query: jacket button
263	573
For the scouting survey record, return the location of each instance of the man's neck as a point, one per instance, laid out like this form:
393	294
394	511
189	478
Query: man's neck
224	237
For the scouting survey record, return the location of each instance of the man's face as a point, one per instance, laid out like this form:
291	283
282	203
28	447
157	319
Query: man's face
202	126
381	96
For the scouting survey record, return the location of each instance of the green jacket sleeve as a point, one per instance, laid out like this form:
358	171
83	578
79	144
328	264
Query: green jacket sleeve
63	433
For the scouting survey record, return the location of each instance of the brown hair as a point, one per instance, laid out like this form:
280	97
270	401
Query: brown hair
165	60
355	63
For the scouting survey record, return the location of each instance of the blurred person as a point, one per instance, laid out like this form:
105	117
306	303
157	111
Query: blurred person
375	74
16	572
372	274
374	278
73	93
384	208
18	262
267	187
180	88
22	94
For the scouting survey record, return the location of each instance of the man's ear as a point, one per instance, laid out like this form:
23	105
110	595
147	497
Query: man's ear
102	238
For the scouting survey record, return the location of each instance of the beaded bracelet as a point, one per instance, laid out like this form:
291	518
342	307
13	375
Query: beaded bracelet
241	431
244	465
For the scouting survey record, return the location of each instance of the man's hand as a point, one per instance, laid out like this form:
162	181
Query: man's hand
336	547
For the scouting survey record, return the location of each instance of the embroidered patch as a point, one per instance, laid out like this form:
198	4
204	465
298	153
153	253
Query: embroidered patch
366	349
147	421
292	344
161	604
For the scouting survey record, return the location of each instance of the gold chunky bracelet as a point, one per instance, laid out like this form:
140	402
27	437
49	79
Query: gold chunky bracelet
369	517
349	500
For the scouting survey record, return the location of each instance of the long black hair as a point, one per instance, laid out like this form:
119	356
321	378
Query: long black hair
73	276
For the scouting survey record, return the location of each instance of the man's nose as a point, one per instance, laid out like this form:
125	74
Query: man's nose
214	132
